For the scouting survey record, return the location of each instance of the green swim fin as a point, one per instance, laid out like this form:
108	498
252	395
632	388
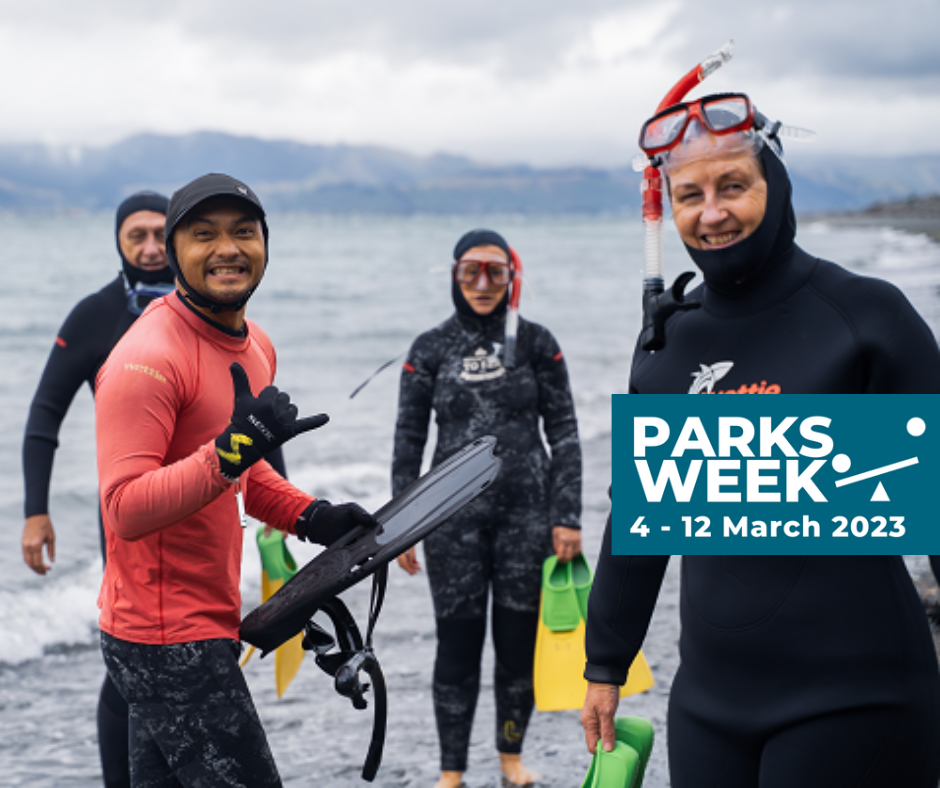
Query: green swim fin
277	567
636	733
560	608
559	644
618	768
607	768
583	577
558	668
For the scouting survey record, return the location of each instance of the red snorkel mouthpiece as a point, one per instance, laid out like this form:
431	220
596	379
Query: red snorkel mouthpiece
657	305
512	315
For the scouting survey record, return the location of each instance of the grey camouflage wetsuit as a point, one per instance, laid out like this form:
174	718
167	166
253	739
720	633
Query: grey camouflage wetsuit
192	720
502	538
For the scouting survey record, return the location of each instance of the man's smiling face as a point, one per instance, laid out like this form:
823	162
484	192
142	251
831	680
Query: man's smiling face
220	249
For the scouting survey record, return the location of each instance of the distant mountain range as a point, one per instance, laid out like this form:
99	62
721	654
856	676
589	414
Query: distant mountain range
367	179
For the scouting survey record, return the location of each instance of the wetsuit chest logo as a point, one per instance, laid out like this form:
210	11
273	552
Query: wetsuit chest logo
703	381
482	365
707	376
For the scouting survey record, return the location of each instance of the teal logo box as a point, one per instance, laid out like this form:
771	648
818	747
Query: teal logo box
784	474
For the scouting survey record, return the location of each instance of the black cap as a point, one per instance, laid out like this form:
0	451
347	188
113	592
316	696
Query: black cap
205	188
185	200
481	238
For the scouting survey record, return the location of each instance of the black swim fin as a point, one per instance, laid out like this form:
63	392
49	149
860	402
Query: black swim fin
403	522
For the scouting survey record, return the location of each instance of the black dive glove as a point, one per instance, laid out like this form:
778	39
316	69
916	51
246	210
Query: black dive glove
324	523
259	425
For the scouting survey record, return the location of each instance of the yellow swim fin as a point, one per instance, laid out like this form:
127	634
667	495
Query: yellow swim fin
559	648
277	567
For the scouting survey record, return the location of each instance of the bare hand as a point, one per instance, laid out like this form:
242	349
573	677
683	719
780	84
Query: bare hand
37	532
597	716
566	543
409	561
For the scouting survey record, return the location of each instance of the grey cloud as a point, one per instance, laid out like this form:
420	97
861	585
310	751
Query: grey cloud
860	41
521	37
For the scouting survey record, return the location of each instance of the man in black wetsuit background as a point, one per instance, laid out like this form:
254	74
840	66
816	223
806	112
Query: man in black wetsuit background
810	671
86	338
83	343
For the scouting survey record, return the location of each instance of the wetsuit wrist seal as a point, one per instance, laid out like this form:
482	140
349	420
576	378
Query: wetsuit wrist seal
303	527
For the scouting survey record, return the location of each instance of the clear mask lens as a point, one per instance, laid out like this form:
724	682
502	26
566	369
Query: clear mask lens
726	113
664	131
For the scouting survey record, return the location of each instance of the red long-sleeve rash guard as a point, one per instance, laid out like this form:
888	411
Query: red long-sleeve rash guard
174	540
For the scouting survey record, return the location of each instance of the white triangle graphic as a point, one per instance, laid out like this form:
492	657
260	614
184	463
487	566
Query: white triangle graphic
880	494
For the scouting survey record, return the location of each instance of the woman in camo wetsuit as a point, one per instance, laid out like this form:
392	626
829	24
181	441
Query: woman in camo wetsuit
501	539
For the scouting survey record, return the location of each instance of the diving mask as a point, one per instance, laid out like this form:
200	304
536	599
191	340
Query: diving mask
719	124
141	294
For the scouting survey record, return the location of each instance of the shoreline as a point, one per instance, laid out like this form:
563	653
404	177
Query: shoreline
917	215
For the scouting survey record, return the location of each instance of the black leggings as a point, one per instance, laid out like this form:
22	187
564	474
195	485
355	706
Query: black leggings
457	681
192	721
113	736
868	747
472	553
113	730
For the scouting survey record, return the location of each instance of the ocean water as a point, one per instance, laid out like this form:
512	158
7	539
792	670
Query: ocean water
342	296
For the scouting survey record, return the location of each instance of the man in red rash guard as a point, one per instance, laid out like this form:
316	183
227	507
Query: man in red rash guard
177	463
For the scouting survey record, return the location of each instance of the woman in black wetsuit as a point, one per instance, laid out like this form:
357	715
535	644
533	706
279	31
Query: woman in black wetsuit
500	540
796	670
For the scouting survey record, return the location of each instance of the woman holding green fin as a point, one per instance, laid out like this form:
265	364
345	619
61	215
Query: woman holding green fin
485	371
815	671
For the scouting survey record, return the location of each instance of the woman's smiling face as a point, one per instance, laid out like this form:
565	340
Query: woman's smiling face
718	201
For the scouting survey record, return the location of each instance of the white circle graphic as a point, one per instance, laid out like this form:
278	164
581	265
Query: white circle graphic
841	463
916	426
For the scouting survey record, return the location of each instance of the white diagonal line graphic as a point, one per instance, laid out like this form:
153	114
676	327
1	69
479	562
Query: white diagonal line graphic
877	472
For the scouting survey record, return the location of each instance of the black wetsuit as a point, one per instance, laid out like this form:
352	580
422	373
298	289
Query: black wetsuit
90	331
86	338
502	538
796	670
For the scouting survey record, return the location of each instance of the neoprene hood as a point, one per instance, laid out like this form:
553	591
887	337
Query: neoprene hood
467	242
476	238
736	268
185	200
140	201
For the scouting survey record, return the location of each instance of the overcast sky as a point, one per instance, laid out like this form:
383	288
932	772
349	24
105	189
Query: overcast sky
537	81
